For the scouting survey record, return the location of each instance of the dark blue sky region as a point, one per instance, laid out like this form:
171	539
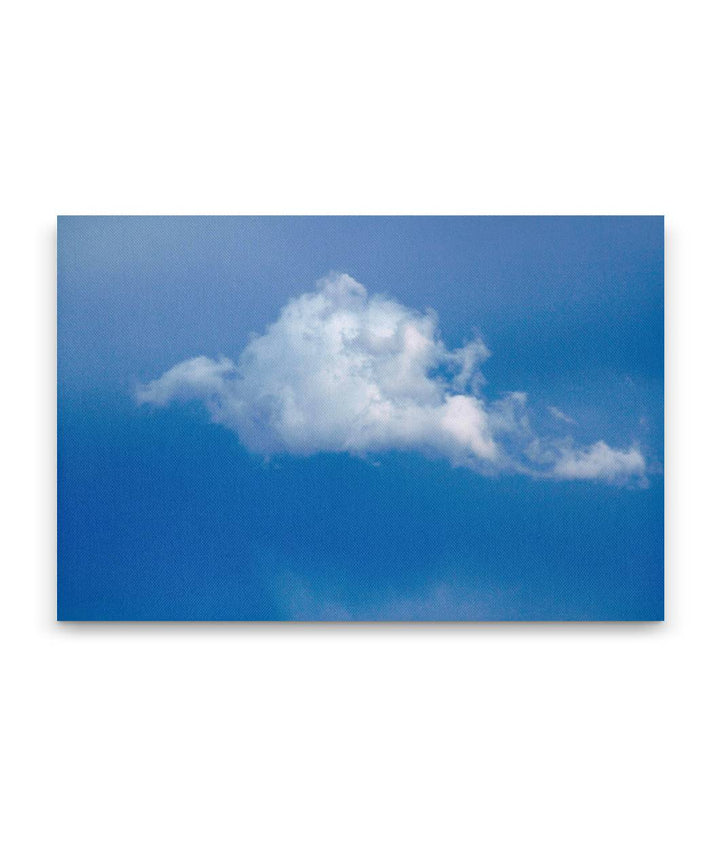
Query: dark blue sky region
163	515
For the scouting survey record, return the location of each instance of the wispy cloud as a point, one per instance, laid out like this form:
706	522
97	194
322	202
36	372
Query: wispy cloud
298	599
343	371
599	462
560	416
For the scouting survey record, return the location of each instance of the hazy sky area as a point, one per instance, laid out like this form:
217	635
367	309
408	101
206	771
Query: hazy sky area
371	418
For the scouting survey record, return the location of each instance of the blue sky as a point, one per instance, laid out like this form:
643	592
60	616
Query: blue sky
173	506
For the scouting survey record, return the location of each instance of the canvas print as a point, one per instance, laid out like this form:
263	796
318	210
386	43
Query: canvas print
360	418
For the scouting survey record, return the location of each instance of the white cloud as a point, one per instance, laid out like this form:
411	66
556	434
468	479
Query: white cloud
600	462
341	371
562	417
298	600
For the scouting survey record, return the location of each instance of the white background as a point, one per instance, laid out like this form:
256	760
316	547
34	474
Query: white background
574	739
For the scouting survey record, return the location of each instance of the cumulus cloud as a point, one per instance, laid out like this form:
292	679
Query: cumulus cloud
344	371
